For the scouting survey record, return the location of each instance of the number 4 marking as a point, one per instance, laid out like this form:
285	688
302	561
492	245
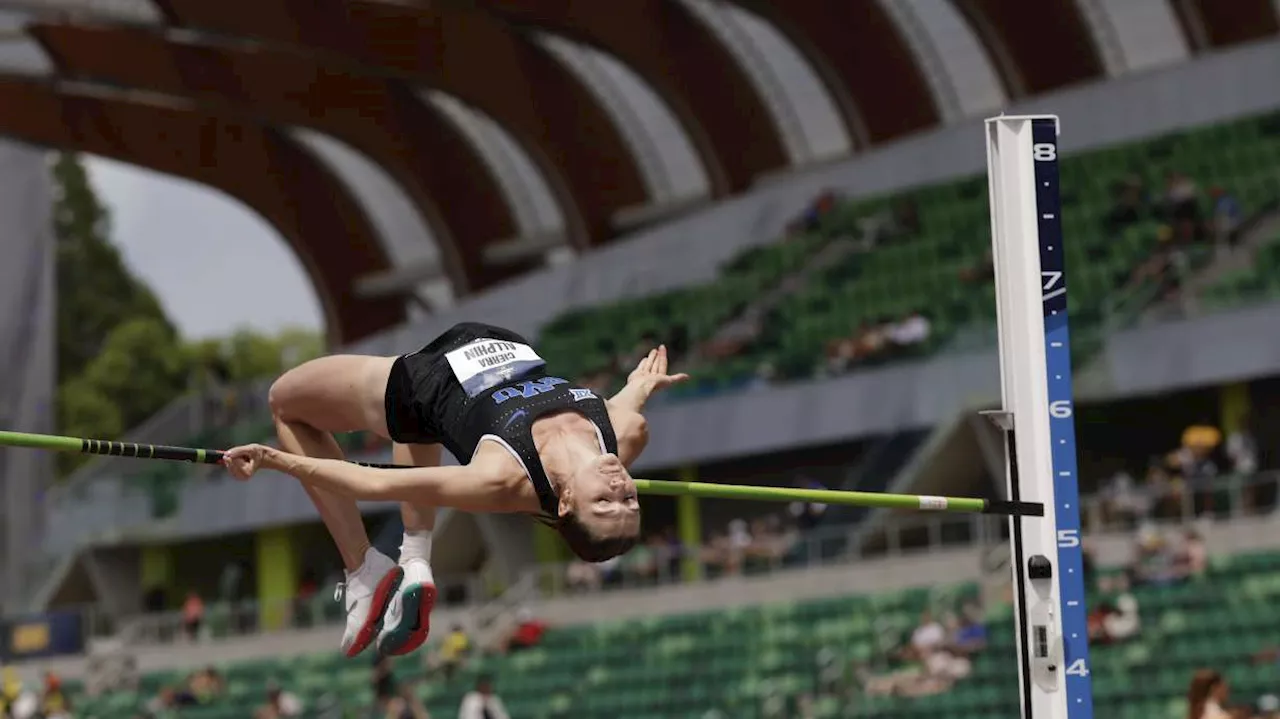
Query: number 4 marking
1078	668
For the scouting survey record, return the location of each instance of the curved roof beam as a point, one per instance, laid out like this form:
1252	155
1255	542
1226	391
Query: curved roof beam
410	244
1213	23
672	168
1029	59
973	85
452	189
258	166
1146	32
476	57
863	59
802	109
696	76
525	187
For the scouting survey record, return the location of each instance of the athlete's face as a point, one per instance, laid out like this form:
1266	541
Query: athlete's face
603	497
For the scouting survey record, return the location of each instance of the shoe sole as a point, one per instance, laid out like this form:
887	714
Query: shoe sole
387	586
419	600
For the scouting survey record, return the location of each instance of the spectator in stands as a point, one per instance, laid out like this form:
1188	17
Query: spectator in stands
769	542
873	338
673	551
1182	207
53	701
640	565
1195	461
453	651
1130	205
841	355
583	576
308	587
908	333
810	220
1241	449
738	544
406	706
982	272
385	687
163	703
155	600
1227	216
928	636
1164	488
205	686
906	217
482	702
1241	454
807	515
192	615
282	703
1118	619
10	689
230	582
1193	557
1207	695
527	633
1154	561
967	634
1125	503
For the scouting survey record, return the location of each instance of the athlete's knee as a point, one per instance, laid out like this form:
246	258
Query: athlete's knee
280	397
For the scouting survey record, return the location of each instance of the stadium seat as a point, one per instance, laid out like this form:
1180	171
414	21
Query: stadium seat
742	661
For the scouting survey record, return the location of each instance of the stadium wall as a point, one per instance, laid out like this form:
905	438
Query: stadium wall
27	350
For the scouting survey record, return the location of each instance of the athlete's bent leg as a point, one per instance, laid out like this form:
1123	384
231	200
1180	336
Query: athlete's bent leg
408	618
341	393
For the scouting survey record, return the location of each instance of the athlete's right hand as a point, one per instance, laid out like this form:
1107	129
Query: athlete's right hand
242	462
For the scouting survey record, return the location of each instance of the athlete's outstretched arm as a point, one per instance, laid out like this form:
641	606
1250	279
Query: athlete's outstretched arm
466	488
625	407
649	376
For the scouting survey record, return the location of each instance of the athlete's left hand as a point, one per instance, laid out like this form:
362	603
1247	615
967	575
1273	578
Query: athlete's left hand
652	371
243	462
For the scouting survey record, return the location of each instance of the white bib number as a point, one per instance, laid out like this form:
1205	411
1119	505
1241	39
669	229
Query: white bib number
486	363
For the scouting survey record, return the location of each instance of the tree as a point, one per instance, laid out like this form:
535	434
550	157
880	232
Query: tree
96	292
140	368
248	355
116	347
84	411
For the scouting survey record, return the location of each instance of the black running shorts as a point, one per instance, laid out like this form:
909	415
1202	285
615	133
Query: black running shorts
423	397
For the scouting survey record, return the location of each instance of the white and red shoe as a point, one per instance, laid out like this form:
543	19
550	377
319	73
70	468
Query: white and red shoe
407	621
367	592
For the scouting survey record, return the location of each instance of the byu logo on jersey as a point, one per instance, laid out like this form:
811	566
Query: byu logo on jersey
581	394
528	390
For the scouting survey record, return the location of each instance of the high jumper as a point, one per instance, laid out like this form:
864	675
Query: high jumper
532	443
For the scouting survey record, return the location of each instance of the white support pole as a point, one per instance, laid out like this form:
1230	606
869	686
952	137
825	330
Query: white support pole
1037	416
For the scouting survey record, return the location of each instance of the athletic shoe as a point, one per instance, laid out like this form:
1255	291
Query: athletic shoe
407	622
367	591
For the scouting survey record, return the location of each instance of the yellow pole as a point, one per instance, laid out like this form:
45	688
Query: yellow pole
277	573
689	525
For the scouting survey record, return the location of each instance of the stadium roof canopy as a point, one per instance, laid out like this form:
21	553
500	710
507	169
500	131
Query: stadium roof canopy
428	149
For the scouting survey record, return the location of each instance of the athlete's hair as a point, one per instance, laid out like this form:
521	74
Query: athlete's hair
589	547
